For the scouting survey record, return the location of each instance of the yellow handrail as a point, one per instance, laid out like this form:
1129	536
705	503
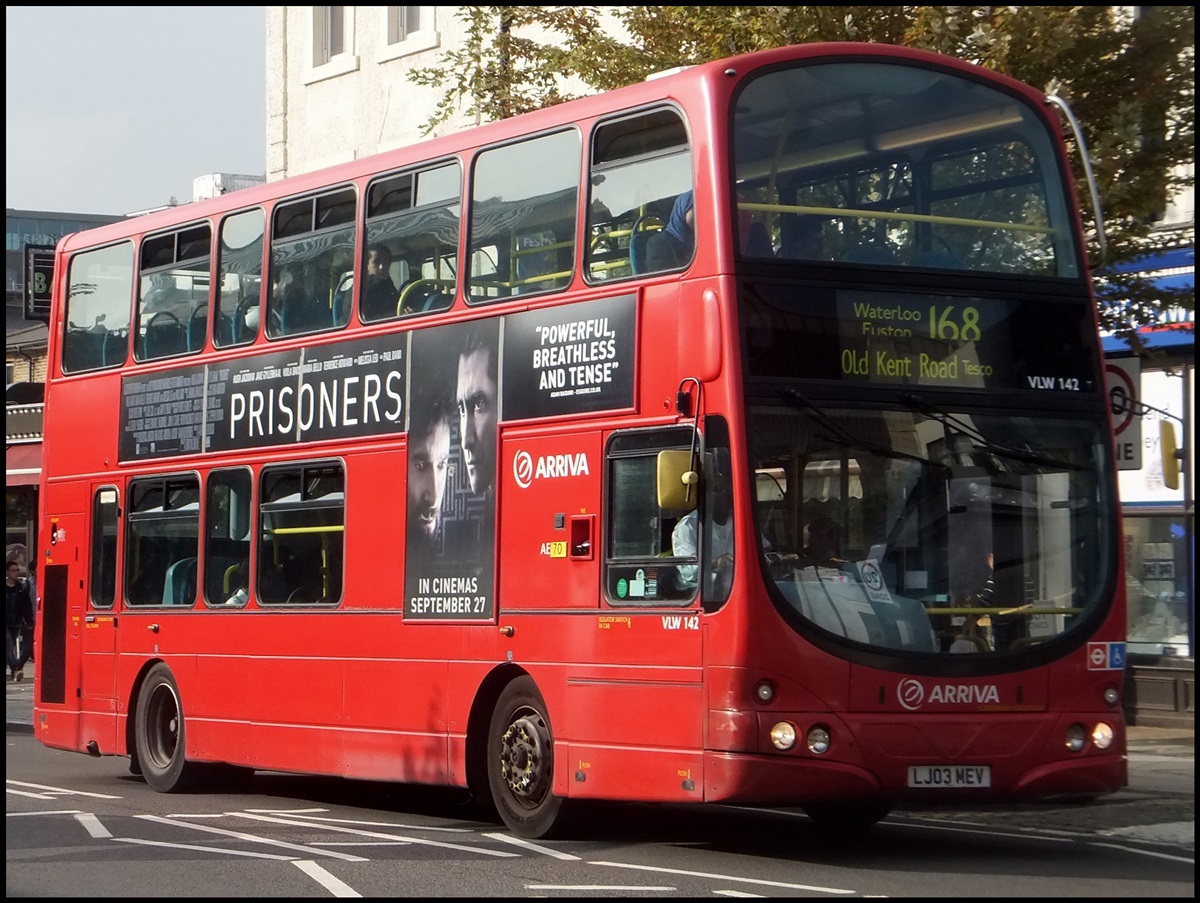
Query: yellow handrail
850	212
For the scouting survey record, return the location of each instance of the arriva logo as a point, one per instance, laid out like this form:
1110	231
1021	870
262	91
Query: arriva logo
911	694
548	467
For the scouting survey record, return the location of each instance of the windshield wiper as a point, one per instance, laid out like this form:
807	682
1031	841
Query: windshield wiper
950	423
842	436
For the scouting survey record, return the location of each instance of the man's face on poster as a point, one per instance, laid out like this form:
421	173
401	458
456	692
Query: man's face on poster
428	463
477	417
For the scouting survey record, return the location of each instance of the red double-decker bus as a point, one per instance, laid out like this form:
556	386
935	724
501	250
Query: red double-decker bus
737	436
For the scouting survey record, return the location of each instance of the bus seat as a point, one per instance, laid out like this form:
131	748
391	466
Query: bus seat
342	297
179	586
163	340
114	347
643	227
435	301
197	329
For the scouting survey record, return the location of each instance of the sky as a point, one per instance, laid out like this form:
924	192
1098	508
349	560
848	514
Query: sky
113	109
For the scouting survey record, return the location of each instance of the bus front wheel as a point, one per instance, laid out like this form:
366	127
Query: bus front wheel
160	734
521	763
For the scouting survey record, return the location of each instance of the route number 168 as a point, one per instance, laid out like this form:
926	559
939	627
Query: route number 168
945	323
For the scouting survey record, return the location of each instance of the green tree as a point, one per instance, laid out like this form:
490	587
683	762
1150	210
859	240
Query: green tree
1130	79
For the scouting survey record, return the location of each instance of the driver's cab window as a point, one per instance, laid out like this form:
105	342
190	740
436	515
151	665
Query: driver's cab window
669	538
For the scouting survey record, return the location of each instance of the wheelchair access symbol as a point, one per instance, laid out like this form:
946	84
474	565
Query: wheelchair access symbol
1106	656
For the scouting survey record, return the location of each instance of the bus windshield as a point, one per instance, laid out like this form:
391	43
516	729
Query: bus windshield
929	530
898	165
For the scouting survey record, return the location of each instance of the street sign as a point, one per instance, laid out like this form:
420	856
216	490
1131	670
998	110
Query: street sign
39	277
1123	376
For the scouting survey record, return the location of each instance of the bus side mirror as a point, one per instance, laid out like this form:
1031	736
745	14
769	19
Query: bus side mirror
1170	453
678	484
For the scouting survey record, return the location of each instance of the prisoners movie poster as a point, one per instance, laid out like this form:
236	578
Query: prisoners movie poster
452	451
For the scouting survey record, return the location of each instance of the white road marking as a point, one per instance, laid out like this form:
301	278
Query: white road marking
525	844
355	821
715	877
59	791
589	887
377	835
92	825
1114	846
331	883
252	838
200	848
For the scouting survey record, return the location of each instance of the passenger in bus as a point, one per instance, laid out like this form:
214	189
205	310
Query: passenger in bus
430	420
685	536
821	542
672	247
297	310
379	291
758	241
477	410
802	239
970	636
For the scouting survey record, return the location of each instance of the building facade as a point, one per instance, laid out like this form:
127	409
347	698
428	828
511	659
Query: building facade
1158	509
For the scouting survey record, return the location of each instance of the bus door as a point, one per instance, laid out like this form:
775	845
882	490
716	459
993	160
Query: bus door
61	614
97	668
549	521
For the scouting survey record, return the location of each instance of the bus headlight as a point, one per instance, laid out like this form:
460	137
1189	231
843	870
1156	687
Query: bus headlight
1111	696
765	691
1076	737
1102	735
783	735
817	740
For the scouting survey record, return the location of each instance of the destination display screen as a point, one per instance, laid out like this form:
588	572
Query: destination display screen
935	340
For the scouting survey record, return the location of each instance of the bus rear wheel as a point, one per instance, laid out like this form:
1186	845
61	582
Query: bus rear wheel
160	734
520	759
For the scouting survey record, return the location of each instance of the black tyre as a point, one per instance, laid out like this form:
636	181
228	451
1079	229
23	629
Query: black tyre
520	758
848	816
160	734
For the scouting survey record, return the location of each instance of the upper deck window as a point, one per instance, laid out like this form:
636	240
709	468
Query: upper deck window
413	222
175	277
640	165
312	253
523	216
894	165
99	292
240	287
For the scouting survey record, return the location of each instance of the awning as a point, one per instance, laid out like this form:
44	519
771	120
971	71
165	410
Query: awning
1170	270
23	464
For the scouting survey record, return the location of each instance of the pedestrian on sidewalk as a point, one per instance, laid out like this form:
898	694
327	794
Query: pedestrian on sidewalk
18	619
